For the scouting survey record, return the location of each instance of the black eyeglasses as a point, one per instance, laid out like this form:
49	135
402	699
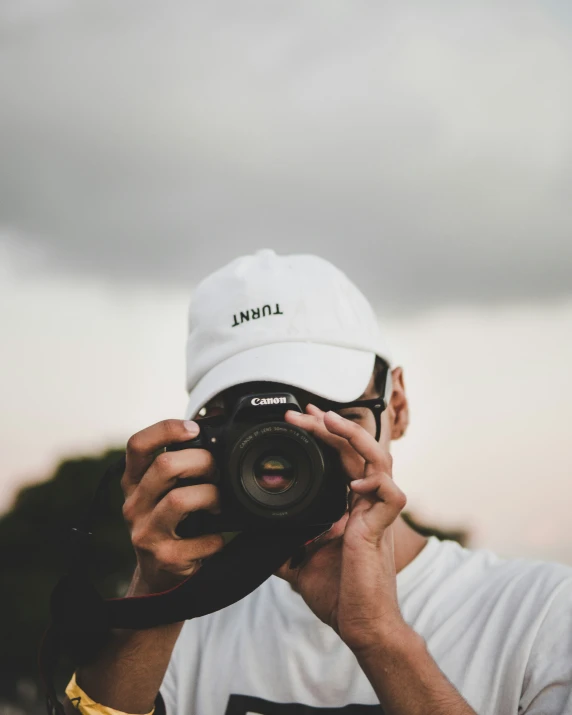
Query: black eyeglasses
359	411
363	412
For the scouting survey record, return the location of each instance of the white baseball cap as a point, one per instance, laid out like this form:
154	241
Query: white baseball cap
296	320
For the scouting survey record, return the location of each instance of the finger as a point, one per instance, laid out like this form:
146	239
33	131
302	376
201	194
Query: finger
315	411
167	468
379	495
175	506
143	445
314	424
361	440
181	556
324	433
381	486
178	556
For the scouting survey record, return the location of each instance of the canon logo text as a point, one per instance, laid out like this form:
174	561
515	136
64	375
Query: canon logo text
268	401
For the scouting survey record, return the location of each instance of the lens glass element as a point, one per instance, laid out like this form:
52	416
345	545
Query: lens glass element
274	473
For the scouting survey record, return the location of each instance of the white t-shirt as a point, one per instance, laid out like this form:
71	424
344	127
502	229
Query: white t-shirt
500	630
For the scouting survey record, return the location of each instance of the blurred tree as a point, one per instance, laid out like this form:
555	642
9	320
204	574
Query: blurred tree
34	546
460	535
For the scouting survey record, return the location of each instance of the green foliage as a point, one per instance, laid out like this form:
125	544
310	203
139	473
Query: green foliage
34	547
459	535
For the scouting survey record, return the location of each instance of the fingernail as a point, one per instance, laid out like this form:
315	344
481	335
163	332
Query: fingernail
293	413
191	427
335	416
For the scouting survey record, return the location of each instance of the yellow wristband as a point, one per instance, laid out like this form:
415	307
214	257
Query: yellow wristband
85	705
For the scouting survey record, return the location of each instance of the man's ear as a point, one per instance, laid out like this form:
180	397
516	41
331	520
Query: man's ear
398	404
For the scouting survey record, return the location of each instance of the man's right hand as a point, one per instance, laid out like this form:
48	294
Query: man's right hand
153	507
127	673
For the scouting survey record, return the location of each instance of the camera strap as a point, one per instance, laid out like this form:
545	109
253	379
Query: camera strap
82	621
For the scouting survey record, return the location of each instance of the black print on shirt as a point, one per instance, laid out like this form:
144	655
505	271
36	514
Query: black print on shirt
246	705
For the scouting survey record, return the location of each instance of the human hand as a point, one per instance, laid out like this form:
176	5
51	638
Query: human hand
153	508
348	577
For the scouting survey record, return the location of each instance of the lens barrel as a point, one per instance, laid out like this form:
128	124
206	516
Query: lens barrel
276	469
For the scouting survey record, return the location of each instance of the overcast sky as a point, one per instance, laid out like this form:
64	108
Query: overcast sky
425	148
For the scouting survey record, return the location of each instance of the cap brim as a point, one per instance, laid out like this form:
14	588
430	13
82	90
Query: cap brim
335	373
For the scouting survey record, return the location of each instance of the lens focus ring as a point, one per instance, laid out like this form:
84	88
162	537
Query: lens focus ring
276	469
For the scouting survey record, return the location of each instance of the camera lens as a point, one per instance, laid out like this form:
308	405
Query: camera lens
275	469
274	474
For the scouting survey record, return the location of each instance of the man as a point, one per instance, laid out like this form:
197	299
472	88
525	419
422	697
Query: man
375	618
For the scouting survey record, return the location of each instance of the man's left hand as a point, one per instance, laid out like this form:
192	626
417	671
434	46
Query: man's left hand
348	577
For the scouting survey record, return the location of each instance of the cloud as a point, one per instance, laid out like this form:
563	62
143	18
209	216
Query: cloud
426	148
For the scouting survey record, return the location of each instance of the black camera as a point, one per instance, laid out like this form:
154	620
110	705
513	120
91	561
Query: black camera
270	473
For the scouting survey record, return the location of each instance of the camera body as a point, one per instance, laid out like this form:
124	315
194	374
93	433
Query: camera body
270	474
